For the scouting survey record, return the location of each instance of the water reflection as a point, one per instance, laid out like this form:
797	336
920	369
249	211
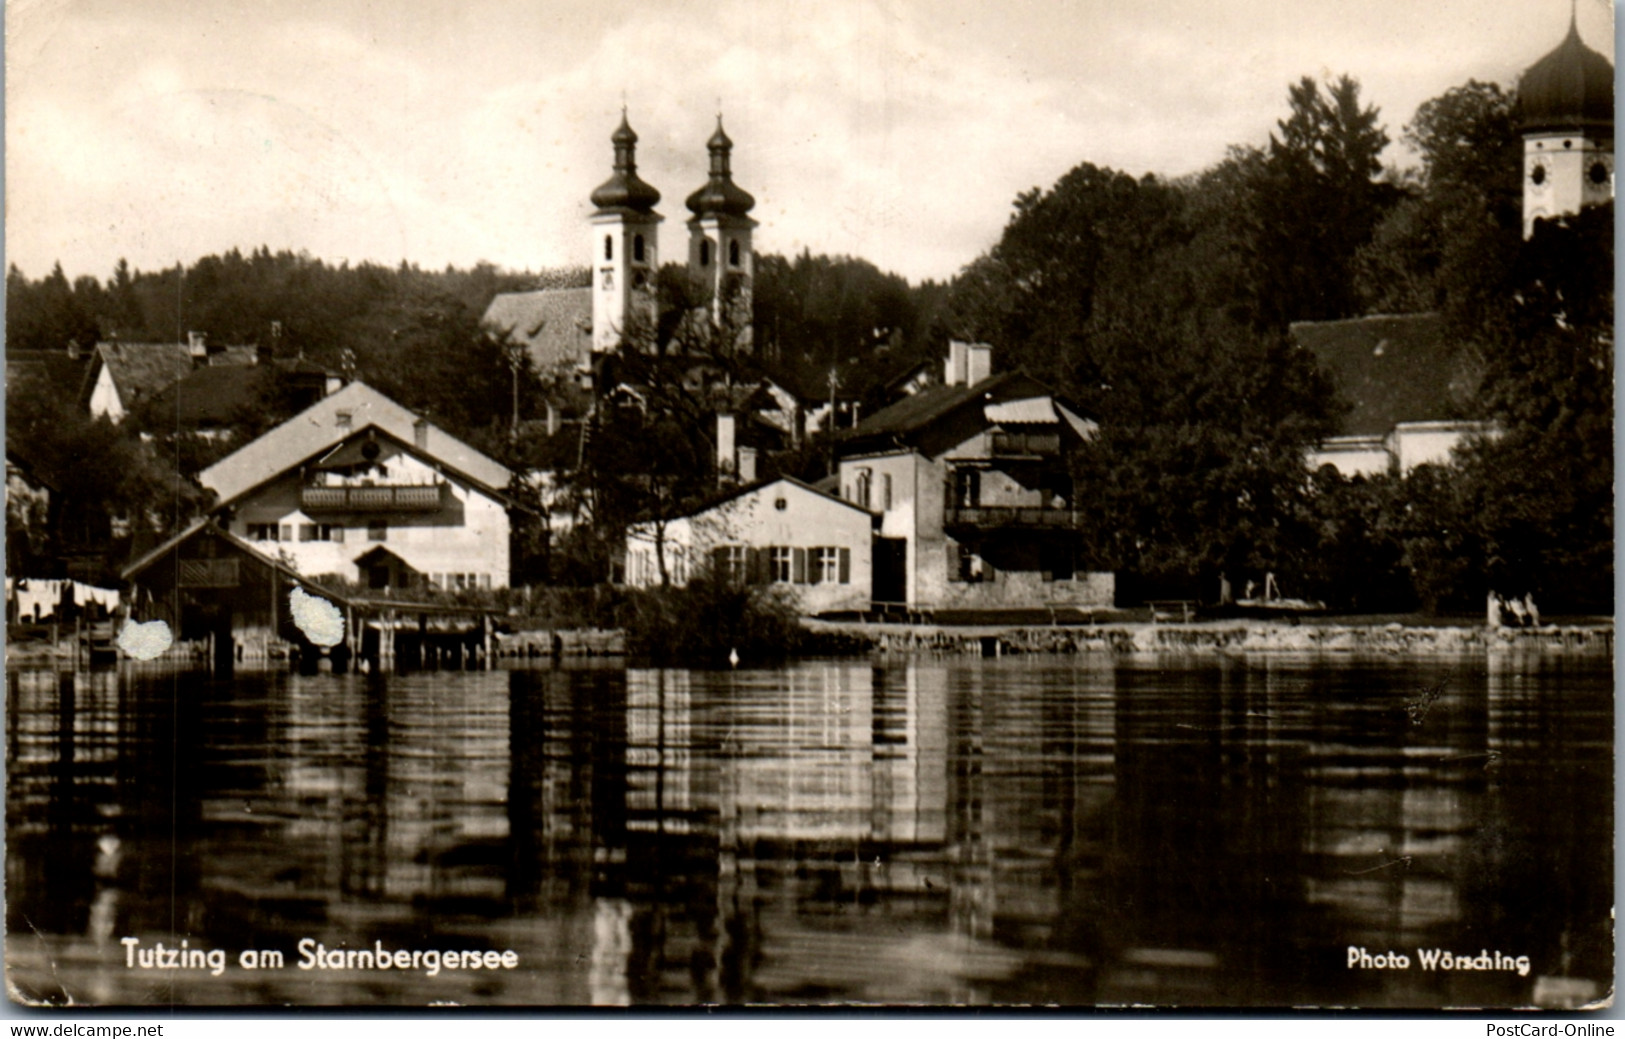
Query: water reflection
1182	831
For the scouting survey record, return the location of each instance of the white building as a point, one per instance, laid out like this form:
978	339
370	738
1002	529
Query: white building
1409	390
972	481
360	487
780	532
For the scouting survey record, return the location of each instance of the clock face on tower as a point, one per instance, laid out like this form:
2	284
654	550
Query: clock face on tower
1539	172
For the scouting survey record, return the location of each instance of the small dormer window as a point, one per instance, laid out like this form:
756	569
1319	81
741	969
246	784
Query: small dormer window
609	248
345	419
637	248
733	253
705	253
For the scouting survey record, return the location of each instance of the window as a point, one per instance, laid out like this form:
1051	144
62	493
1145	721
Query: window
485	582
637	248
320	532
1058	562
287	532
733	253
705	253
378	530
735	563
778	565
609	248
344	419
967	488
965	565
885	491
862	495
307	532
262	532
822	565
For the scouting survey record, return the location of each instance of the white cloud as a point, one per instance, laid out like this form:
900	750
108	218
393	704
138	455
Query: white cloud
447	133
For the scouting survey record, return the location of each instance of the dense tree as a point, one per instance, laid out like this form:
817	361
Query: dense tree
1449	244
1315	202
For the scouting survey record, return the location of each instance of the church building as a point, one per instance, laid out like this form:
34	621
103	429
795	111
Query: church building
1407	385
566	329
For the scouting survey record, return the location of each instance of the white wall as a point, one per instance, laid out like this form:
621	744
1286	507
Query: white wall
469	535
807	520
104	397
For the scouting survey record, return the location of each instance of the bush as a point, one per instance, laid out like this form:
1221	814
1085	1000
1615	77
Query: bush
707	620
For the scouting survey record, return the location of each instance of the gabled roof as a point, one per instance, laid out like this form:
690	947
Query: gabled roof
554	325
211	528
140	370
212	396
53	370
317	429
759	485
1391	369
904	422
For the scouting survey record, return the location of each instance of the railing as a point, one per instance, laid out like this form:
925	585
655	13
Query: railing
1026	445
371	499
988	516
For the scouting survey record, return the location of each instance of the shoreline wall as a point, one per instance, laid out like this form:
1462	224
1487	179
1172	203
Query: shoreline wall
1256	638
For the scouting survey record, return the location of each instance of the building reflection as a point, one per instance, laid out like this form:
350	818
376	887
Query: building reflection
918	831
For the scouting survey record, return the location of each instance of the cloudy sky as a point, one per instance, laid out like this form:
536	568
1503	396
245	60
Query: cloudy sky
453	131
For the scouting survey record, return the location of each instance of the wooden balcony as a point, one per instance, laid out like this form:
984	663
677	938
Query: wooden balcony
1026	445
996	517
371	499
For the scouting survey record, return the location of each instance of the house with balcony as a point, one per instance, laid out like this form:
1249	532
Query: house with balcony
359	487
972	483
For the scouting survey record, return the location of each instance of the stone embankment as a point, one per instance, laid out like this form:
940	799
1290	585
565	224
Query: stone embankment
1222	638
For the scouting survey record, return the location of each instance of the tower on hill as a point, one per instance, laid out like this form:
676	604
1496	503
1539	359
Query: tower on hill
1566	114
719	242
625	248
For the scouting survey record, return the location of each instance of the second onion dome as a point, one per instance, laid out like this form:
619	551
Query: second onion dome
720	195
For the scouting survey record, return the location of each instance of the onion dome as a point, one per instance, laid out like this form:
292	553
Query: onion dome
1571	88
720	195
625	189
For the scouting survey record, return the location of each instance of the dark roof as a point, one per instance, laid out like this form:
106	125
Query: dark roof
912	414
212	396
140	370
554	325
1571	88
625	189
52	368
207	527
1391	369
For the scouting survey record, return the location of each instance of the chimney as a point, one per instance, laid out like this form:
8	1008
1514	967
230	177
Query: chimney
954	372
420	434
725	444
747	465
978	363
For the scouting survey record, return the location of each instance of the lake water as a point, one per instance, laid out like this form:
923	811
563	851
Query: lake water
1188	831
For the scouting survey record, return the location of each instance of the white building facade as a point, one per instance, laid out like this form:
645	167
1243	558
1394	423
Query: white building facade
782	532
358	487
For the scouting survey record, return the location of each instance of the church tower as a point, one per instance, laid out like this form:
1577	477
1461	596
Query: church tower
1566	114
625	254
719	246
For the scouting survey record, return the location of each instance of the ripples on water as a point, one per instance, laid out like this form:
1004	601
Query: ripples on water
1172	831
